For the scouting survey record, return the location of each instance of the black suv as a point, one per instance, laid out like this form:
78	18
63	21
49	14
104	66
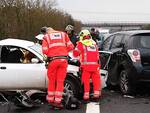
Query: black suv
130	59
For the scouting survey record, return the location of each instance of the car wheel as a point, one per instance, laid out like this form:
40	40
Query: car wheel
125	83
71	87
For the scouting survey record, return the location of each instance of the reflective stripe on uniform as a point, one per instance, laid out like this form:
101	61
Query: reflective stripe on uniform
86	95
50	98
88	62
96	93
56	44
85	54
50	93
58	93
57	99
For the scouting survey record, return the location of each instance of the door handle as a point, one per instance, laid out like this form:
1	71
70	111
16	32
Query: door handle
2	67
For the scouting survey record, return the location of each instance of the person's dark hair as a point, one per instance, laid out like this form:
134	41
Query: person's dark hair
43	30
92	29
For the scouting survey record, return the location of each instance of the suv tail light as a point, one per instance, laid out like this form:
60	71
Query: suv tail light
134	55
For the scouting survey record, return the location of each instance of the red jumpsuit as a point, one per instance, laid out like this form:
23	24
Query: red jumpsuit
89	58
56	45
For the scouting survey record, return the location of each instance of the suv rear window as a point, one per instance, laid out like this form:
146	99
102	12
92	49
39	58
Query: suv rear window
145	41
142	40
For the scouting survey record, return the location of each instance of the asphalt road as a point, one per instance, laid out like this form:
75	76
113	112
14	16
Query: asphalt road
111	102
114	102
42	109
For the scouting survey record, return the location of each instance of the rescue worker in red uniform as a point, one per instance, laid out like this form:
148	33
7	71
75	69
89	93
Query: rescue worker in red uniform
55	46
89	58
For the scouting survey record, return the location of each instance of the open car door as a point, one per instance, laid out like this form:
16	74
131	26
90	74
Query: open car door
105	57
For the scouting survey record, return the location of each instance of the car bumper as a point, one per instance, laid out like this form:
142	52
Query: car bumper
143	74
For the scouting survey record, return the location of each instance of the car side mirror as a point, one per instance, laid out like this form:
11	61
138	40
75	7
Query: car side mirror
35	60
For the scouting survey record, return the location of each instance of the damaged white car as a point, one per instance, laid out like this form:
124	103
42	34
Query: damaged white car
23	72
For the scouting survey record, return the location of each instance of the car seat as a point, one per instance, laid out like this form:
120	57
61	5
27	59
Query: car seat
4	54
15	56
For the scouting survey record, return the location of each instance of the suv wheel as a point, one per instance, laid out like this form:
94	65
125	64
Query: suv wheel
125	82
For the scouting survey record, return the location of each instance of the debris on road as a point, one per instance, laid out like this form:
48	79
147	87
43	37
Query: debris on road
128	96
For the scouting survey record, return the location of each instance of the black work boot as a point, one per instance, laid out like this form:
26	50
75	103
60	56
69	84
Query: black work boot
51	105
95	99
85	101
58	106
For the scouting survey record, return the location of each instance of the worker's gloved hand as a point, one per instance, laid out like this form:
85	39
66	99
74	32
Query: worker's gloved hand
46	65
46	59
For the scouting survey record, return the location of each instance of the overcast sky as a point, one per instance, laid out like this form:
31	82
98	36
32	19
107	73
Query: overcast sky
107	10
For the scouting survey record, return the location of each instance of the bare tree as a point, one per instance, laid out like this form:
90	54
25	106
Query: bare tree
24	18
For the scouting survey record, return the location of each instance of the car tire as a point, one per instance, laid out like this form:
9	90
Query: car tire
71	86
125	83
